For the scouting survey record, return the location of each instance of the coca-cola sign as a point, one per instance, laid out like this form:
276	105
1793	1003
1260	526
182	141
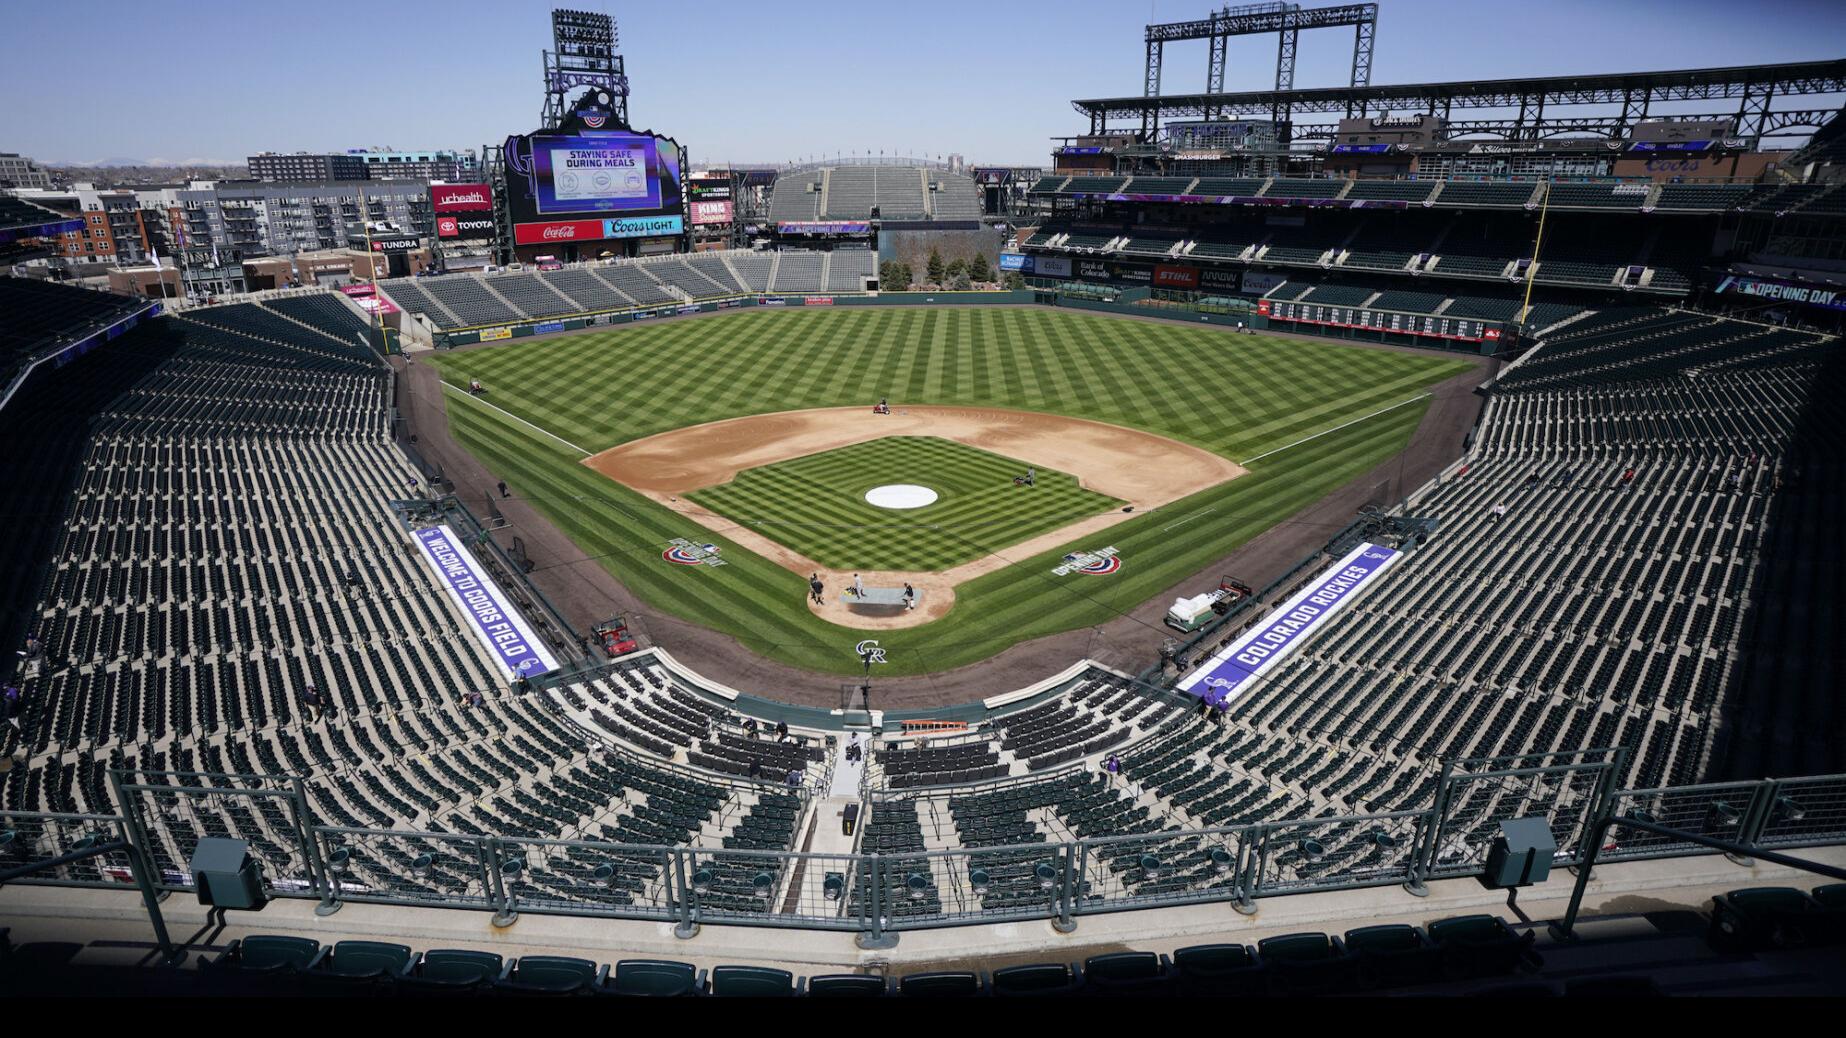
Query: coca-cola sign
461	198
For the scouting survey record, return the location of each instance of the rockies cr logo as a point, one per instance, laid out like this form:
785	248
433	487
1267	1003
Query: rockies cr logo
869	651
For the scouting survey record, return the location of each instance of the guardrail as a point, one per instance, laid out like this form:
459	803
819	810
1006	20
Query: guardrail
878	895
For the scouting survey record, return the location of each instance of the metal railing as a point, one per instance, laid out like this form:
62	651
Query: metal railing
880	894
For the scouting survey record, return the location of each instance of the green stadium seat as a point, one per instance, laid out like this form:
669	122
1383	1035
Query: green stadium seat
942	985
752	982
366	960
847	985
1392	955
1037	980
653	978
1479	946
1218	969
269	953
551	975
452	970
1761	918
1305	963
1123	973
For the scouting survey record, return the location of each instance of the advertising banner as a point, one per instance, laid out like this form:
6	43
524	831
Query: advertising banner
369	300
594	230
1256	283
394	244
489	334
496	624
464	226
1053	266
1169	276
816	300
823	227
1784	292
1093	269
547	326
461	198
1016	261
1235	668
711	212
1218	280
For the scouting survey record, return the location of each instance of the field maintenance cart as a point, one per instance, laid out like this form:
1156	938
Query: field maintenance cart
1190	614
616	641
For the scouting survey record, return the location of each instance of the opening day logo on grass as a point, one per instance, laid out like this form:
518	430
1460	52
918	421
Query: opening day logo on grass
687	553
1098	563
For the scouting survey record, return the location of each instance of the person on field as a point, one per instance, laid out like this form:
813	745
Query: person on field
858	586
910	597
815	587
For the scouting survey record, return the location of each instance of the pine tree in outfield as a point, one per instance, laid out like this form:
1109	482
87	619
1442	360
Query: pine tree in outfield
1015	281
978	269
893	276
956	269
935	267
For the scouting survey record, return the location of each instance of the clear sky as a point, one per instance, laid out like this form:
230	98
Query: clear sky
763	81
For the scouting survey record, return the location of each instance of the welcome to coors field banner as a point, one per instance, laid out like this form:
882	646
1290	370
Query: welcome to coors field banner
1236	667
497	624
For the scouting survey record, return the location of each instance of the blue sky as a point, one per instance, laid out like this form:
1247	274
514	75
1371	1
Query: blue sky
763	81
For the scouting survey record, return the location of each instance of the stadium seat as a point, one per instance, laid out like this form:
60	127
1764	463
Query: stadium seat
1218	969
1392	955
1479	946
1037	980
942	985
847	985
1305	963
1617	986
452	970
752	982
551	975
360	964
1125	973
1761	918
652	978
269	953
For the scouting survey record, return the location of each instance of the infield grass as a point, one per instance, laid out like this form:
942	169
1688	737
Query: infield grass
1240	396
816	504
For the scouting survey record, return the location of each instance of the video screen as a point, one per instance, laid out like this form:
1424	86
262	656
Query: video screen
616	173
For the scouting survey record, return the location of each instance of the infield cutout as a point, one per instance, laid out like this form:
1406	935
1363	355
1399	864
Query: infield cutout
900	495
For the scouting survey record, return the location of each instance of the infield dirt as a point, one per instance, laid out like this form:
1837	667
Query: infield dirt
1143	469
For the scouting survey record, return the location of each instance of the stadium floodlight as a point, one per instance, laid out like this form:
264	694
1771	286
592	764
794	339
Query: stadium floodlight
979	882
701	881
1221	861
918	885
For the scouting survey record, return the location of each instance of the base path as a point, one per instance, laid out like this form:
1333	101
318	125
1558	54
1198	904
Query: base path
1140	468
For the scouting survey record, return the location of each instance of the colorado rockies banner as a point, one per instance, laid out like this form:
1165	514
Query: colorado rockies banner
498	625
1236	667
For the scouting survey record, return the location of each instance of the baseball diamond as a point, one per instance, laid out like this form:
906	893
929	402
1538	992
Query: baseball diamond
816	505
1288	404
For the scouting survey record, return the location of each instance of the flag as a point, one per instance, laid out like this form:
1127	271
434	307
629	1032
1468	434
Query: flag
153	254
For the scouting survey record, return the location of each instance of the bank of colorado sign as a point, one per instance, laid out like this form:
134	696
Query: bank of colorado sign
596	230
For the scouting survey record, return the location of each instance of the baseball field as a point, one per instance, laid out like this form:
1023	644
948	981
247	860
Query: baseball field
752	433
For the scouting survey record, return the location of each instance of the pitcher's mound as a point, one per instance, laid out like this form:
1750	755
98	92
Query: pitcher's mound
900	495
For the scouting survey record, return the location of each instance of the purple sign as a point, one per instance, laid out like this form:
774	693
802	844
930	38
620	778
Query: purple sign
496	623
1226	675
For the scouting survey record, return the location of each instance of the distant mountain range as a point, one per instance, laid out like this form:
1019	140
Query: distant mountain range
117	163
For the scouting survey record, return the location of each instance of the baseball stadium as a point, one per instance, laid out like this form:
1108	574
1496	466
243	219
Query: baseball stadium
1355	540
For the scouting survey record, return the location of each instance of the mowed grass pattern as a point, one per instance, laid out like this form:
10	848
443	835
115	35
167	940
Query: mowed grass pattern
816	504
1240	396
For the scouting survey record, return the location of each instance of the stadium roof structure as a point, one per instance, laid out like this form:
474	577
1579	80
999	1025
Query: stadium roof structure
1756	88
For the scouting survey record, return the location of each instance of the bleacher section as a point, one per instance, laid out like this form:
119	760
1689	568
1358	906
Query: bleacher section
847	269
41	314
899	193
1391	190
1483	192
798	272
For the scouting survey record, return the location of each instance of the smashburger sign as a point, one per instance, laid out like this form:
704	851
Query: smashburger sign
461	198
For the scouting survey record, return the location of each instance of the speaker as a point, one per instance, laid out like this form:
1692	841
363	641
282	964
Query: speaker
227	876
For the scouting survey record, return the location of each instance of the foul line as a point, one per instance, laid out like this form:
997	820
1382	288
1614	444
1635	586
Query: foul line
518	419
1335	429
1188	519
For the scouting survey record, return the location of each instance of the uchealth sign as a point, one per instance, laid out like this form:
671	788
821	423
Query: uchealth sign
1168	276
460	198
1236	668
596	230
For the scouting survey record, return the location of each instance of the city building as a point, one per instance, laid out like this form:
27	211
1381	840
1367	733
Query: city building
304	168
19	171
386	164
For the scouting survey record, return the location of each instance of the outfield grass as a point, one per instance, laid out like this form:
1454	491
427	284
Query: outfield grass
816	504
1239	396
